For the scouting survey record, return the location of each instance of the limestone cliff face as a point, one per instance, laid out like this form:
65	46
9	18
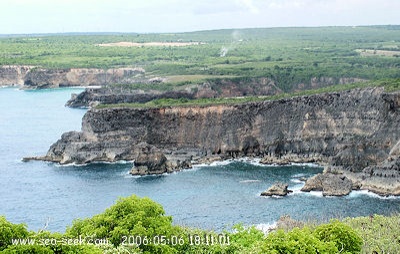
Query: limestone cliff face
35	77
11	75
355	131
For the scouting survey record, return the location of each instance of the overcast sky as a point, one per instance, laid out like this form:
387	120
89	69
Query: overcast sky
146	16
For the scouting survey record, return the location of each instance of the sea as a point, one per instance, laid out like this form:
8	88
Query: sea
48	196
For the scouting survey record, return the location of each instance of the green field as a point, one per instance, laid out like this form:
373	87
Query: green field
286	55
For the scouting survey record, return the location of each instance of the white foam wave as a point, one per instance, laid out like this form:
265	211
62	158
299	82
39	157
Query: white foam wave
266	227
273	196
299	175
250	181
358	193
215	163
295	180
74	164
255	162
314	193
308	164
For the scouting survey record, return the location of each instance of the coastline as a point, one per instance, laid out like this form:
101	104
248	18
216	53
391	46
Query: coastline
353	134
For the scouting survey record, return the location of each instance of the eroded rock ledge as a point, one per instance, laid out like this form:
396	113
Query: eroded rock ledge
356	132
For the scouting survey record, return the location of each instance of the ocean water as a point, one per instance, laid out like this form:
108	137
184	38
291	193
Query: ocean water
210	197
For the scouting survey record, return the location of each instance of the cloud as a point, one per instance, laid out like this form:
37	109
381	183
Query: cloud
248	5
281	4
32	16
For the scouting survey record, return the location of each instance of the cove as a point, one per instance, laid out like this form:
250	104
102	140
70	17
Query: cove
211	197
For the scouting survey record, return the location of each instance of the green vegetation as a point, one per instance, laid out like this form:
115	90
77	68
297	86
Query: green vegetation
139	225
288	56
381	234
389	85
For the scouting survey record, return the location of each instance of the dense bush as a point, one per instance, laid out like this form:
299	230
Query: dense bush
380	234
344	237
297	241
9	231
131	220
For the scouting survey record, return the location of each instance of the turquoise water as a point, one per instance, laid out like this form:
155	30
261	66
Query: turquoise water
212	197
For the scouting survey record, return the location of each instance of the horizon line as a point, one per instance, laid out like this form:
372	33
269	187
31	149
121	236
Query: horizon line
191	31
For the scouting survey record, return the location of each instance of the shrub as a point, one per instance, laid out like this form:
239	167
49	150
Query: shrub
9	231
130	217
296	241
381	234
345	238
27	249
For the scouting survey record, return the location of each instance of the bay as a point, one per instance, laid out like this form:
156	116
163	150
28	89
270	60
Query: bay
214	197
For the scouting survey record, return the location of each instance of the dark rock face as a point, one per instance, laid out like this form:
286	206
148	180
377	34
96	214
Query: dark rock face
150	160
278	189
329	184
351	130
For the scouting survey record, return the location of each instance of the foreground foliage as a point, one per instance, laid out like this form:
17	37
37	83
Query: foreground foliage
144	219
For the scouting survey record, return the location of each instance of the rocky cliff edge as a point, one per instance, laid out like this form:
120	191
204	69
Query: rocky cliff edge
352	132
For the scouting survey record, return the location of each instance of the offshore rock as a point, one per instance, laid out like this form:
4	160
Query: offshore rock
355	131
278	189
329	184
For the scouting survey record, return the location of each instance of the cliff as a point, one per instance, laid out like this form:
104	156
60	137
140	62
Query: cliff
12	75
355	132
36	77
213	88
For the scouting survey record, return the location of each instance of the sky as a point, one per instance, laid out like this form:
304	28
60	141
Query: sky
154	16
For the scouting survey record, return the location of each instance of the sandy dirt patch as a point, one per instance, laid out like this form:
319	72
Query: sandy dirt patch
372	52
149	44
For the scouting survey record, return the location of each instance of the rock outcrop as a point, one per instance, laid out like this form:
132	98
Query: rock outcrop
278	189
355	130
329	184
213	88
234	87
110	95
37	77
152	161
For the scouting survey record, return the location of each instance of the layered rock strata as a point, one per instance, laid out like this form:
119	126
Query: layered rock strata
354	131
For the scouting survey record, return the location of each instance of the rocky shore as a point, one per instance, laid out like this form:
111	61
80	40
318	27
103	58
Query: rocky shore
354	134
